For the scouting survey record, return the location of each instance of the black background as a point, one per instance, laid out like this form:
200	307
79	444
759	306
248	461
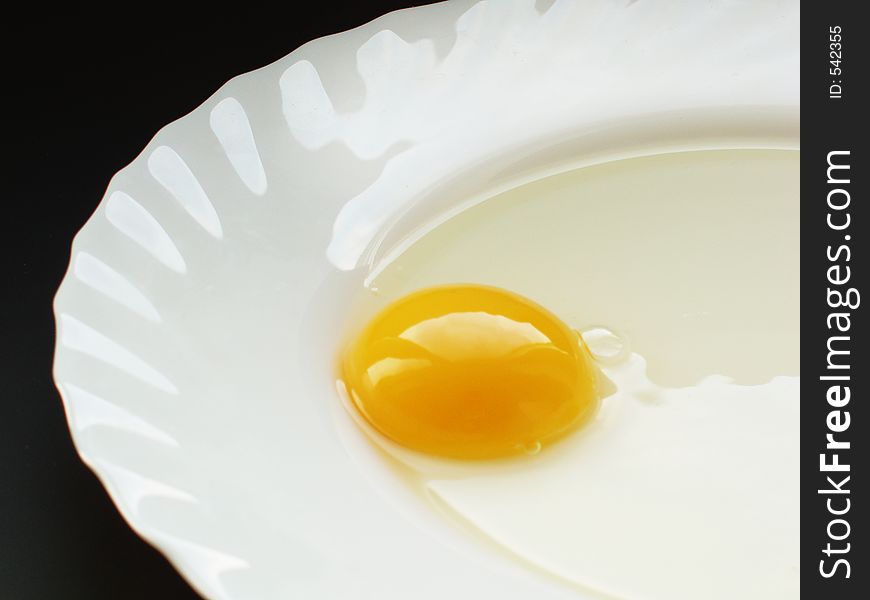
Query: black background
828	125
87	92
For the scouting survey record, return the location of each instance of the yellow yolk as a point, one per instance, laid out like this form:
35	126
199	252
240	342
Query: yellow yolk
469	371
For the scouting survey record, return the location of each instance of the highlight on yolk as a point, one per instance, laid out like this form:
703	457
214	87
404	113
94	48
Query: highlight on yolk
469	371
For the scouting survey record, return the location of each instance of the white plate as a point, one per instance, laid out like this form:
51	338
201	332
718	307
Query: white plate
197	321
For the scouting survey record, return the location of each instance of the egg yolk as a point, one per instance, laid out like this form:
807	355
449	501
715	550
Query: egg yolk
469	371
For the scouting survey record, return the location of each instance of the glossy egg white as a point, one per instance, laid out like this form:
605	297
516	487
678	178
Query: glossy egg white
681	271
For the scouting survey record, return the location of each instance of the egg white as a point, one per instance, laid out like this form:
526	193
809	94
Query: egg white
685	484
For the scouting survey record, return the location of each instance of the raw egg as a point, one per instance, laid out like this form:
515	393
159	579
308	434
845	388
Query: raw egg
470	372
693	433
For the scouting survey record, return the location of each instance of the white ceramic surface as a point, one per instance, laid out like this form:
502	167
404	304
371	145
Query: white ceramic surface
198	318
